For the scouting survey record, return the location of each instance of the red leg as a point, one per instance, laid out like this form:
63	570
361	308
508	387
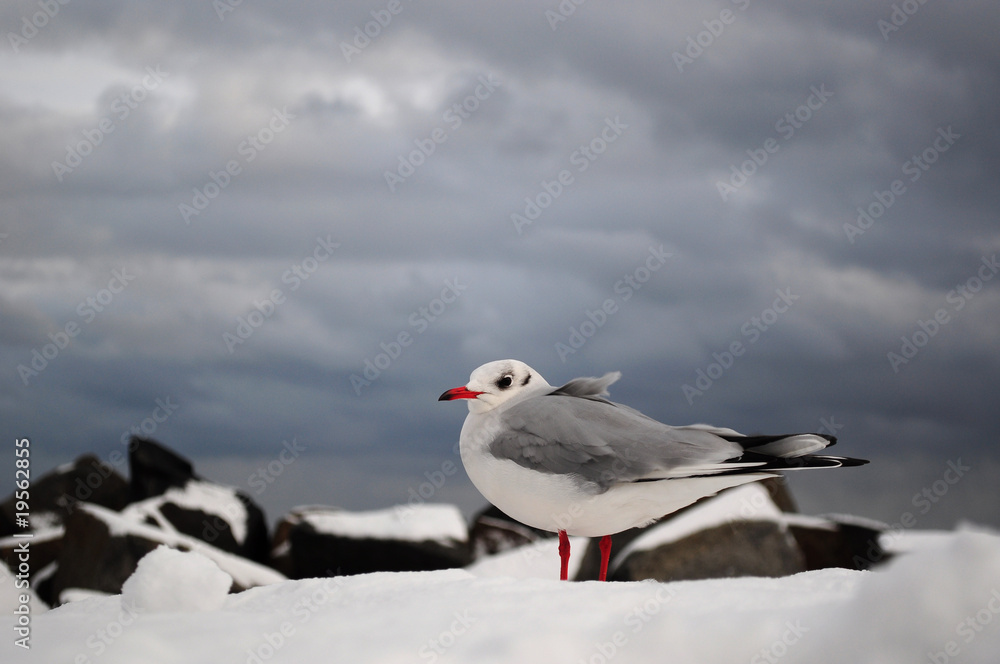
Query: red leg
605	555
563	555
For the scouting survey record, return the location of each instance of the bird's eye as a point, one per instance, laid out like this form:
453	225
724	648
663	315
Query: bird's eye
505	382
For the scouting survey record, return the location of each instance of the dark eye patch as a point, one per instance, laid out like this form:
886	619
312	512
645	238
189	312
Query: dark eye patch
505	382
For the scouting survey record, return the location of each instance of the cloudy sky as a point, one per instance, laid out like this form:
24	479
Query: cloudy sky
271	234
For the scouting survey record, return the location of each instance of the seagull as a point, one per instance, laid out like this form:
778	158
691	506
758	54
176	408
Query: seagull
567	460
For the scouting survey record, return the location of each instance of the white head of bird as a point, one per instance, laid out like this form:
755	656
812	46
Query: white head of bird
498	383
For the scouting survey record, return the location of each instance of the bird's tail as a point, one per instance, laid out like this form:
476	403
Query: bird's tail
791	451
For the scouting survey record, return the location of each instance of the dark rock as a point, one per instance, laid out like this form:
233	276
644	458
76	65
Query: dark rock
837	544
281	547
56	493
739	548
155	468
304	551
94	558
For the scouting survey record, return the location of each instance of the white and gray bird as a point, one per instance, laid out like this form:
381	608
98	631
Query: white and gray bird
567	460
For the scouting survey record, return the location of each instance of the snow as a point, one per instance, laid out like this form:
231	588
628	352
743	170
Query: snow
43	521
906	541
416	523
77	594
10	592
169	580
221	501
537	560
938	603
39	536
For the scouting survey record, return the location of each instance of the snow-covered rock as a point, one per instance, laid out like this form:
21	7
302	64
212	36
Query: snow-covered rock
102	549
323	541
740	532
219	515
938	603
55	493
165	491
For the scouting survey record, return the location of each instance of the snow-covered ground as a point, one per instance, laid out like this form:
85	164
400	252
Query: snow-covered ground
938	603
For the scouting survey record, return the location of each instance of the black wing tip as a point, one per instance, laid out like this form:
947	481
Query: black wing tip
769	463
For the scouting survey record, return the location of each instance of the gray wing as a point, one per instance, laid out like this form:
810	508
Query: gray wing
575	432
589	388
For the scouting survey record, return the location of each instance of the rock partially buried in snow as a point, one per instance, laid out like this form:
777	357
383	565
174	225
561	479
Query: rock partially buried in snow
170	580
102	549
741	532
164	486
219	515
325	541
741	548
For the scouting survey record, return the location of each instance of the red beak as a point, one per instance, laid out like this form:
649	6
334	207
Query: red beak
459	393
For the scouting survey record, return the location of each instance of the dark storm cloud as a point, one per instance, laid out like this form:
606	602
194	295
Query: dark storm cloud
490	181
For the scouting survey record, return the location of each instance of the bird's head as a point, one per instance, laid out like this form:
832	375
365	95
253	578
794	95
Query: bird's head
497	383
